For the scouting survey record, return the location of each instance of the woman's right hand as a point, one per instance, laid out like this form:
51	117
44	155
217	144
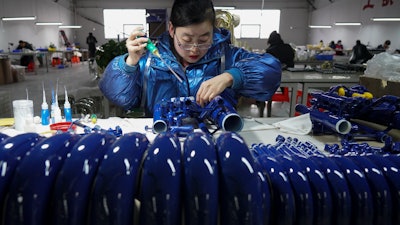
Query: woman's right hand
136	45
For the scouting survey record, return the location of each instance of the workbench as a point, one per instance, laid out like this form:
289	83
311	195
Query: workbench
305	81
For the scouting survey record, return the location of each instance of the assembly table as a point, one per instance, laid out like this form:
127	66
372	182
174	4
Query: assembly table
255	130
308	80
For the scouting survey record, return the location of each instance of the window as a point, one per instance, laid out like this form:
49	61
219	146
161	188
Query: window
256	23
253	23
250	30
120	22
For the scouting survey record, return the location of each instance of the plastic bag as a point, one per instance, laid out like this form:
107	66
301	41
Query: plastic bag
384	66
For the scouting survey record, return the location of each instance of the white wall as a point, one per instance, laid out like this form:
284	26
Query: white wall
295	18
39	36
89	14
293	27
372	33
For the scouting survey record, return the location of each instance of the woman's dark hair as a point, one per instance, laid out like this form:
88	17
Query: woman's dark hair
187	12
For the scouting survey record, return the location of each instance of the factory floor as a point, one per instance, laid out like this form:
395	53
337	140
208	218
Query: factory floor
81	86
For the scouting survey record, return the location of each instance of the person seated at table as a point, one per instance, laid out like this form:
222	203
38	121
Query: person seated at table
339	48
25	46
204	61
385	46
360	54
332	45
280	50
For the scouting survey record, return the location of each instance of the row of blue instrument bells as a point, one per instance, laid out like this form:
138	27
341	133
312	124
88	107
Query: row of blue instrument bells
97	178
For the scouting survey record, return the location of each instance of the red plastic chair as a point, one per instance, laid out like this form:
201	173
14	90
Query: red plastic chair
278	97
31	67
284	97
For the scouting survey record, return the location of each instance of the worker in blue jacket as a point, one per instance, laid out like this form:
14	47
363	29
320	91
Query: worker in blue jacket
201	55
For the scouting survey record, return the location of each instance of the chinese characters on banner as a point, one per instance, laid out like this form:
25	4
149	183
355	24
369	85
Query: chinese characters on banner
384	3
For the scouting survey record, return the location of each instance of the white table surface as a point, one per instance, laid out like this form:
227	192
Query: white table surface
255	130
308	80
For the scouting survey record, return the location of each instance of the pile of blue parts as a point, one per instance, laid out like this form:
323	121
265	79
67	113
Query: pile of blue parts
99	178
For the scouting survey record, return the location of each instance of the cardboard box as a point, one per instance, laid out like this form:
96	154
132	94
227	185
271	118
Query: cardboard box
380	87
5	71
18	73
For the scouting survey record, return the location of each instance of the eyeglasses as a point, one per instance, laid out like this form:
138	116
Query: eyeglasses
188	47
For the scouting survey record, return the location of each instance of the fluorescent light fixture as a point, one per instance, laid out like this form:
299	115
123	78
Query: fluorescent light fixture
48	23
387	19
320	26
18	18
225	7
348	24
70	26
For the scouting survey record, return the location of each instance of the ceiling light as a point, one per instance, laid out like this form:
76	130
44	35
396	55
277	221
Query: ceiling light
18	18
48	23
386	19
70	26
320	26
224	7
347	24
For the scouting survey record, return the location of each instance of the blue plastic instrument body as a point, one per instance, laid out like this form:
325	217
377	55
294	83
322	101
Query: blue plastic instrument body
73	186
200	184
160	185
282	197
12	151
379	189
340	192
3	136
115	185
30	189
245	198
392	174
360	192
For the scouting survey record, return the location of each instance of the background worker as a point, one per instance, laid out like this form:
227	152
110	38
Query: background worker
91	41
360	54
25	47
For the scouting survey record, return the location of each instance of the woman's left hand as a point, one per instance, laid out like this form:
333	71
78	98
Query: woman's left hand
211	88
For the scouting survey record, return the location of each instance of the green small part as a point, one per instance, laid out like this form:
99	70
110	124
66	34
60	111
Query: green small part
151	47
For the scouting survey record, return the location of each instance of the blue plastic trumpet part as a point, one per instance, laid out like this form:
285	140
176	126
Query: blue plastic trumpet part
29	197
282	199
357	148
334	123
160	123
383	111
301	189
361	197
349	91
3	136
223	114
12	151
245	196
200	184
117	132
303	194
340	192
380	190
320	189
115	185
160	184
72	189
184	111
391	172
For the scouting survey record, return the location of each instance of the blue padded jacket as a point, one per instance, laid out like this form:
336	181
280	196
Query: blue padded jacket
255	75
